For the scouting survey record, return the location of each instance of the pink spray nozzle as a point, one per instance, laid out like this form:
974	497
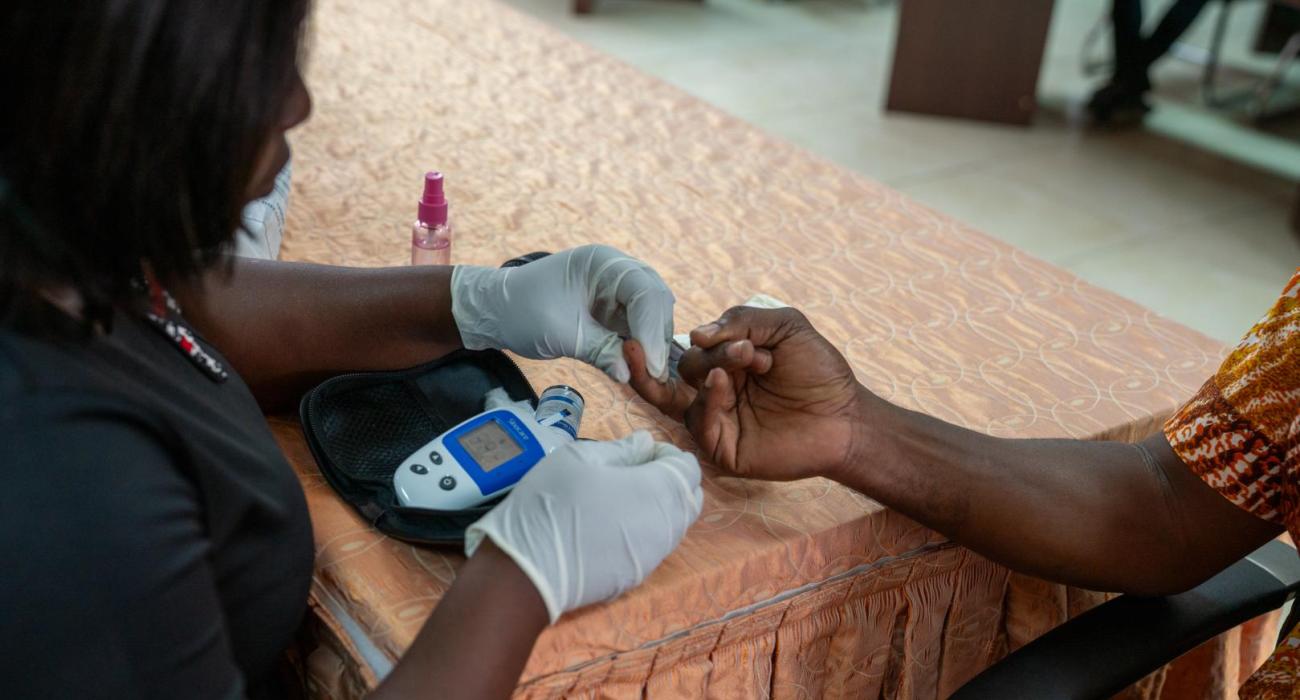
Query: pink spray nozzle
433	204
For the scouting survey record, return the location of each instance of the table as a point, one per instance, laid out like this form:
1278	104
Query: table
803	589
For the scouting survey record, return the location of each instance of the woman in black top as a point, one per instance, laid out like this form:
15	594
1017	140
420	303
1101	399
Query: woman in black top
153	540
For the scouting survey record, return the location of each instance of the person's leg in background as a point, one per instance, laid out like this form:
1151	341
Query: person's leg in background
1176	21
1126	21
1123	98
1120	99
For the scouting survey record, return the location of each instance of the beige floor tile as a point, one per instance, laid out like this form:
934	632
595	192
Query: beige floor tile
646	31
1217	276
798	77
1021	212
902	149
1151	183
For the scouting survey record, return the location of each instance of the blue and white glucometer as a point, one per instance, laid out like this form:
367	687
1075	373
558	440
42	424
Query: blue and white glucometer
485	456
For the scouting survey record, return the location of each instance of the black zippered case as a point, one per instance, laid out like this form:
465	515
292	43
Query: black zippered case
360	427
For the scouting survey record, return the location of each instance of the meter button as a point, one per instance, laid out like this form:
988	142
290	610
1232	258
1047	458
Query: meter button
419	469
447	483
435	457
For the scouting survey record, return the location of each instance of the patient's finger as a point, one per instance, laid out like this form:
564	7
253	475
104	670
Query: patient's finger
670	397
712	420
737	356
764	327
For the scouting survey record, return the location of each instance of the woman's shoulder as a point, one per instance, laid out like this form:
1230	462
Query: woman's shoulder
85	475
80	437
44	390
70	442
108	535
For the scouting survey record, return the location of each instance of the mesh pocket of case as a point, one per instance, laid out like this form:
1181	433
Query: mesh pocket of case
369	430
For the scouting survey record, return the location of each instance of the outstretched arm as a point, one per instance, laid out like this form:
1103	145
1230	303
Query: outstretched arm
766	396
1100	515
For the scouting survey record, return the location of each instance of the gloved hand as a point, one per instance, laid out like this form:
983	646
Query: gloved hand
593	519
575	303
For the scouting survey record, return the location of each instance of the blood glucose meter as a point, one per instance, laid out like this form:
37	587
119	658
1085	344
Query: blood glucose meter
485	456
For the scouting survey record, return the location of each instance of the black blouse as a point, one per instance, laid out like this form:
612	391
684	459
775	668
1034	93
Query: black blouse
154	542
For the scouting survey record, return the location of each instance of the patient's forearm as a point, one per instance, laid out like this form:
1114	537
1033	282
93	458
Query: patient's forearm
285	325
1101	515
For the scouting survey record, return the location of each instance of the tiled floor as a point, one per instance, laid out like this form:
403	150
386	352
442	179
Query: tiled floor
1150	213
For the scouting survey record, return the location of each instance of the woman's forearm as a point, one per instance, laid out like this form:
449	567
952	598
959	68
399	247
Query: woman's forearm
1102	515
285	325
477	640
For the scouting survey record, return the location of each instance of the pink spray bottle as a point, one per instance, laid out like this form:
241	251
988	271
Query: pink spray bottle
431	233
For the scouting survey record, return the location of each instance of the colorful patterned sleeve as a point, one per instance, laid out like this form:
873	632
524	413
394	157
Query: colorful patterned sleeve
1239	432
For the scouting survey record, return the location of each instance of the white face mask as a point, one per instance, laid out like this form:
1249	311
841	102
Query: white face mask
263	226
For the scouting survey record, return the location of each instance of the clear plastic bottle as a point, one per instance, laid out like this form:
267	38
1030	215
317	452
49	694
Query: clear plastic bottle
431	233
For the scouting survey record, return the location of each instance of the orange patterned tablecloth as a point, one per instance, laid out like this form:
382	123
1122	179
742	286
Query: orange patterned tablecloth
803	589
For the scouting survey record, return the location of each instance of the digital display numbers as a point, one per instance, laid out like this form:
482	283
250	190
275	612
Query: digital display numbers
490	446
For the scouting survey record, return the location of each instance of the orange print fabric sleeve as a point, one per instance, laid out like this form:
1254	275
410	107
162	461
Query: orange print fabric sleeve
1240	432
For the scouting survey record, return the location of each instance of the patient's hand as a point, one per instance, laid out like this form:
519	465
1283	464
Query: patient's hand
763	393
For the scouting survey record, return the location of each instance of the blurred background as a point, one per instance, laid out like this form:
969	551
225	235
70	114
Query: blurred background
1190	211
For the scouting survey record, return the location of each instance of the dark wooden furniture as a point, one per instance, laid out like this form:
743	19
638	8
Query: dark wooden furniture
976	59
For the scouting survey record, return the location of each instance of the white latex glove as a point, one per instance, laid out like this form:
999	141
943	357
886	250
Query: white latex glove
593	519
576	303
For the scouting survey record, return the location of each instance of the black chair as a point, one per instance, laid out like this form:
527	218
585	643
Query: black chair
1116	644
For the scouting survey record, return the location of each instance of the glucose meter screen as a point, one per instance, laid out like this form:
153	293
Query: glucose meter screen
490	446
